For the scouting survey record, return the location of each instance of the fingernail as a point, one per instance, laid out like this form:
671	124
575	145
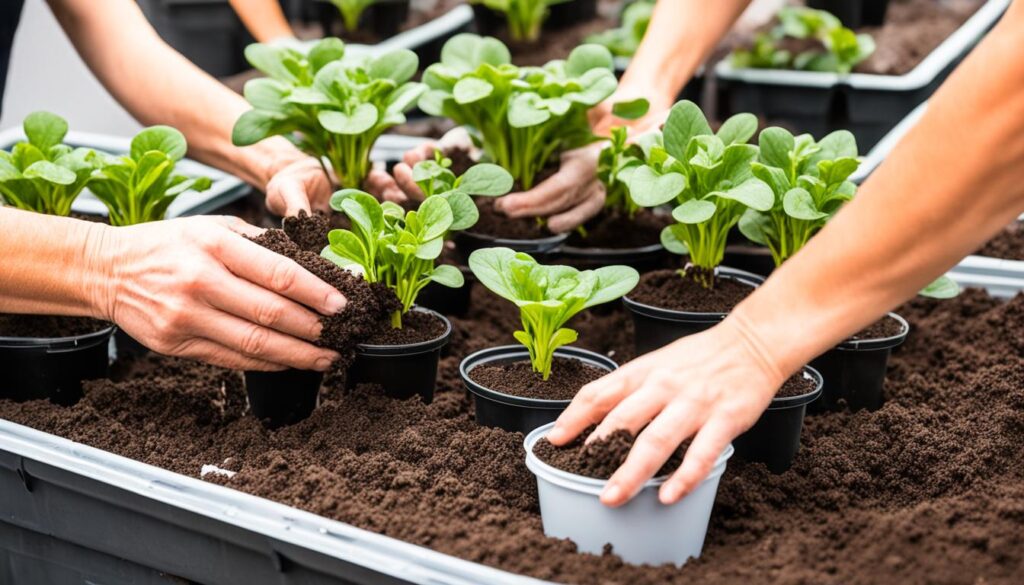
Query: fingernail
669	494
336	303
612	494
323	364
316	330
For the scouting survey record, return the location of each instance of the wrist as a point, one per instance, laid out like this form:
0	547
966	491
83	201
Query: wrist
267	158
103	252
743	334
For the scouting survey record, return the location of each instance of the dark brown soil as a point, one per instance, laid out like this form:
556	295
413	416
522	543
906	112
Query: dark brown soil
1008	244
308	232
667	289
927	490
614	229
495	223
883	328
416	327
519	379
601	457
419	13
48	326
796	385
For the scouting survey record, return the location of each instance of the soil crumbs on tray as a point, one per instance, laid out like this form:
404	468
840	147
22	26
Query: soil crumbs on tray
928	489
667	289
614	229
1007	245
48	326
884	328
599	458
519	379
796	385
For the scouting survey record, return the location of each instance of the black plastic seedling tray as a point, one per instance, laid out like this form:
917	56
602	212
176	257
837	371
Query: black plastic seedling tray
867	105
114	520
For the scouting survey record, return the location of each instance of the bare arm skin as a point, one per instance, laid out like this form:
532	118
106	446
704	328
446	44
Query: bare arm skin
264	19
951	184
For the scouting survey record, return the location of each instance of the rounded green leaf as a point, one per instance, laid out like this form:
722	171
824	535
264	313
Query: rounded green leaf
756	226
361	119
492	267
612	283
586	57
525	111
649	189
471	89
467	51
631	110
326	51
448	275
672	243
798	204
694	211
464	212
160	138
436	216
307	96
753	193
738	129
50	173
45	130
485	179
685	120
430	249
265	93
398	66
776	144
255	125
943	287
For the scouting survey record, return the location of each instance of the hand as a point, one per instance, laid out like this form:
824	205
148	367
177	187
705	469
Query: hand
196	288
568	198
712	386
455	139
602	120
298	184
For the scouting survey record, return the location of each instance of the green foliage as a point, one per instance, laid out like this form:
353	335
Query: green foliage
138	187
436	179
524	17
615	166
810	183
522	117
332	106
351	11
624	40
841	48
395	247
547	296
42	174
942	287
707	175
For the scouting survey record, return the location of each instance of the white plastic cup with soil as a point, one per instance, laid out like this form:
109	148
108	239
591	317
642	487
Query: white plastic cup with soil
513	412
775	438
642	531
854	370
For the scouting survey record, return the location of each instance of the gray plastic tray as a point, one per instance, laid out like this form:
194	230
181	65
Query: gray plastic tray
1001	278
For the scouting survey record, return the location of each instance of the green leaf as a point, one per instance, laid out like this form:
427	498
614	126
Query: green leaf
398	66
631	110
256	125
672	243
162	139
694	211
586	57
358	121
265	94
348	246
738	129
436	216
270	60
471	89
430	249
648	189
467	51
50	173
524	111
45	130
799	204
485	179
755	226
328	50
685	120
943	287
464	212
776	144
491	266
448	275
364	211
612	282
307	96
752	193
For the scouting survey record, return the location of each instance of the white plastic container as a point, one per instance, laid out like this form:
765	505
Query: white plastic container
642	531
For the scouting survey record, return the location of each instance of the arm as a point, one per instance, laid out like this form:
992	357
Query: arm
952	183
158	85
264	19
188	287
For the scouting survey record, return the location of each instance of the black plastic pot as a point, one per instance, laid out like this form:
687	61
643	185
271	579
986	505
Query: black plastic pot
642	258
36	368
561	15
447	300
516	413
128	346
282	398
467	242
657	327
854	13
383	18
750	258
775	438
402	370
854	371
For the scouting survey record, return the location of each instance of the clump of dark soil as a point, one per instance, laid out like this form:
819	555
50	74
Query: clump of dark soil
667	289
496	224
614	229
601	457
1008	244
48	326
796	385
519	379
416	327
308	232
882	329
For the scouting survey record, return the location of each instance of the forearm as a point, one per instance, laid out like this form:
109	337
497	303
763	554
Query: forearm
160	86
264	19
53	265
955	180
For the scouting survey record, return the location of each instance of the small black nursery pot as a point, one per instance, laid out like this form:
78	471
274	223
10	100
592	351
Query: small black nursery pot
643	258
37	368
468	242
775	438
446	300
657	327
854	371
282	398
517	413
402	370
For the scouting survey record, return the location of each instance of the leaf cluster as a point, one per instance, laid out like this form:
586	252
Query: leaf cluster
524	17
523	117
624	40
547	296
840	50
351	11
615	166
333	106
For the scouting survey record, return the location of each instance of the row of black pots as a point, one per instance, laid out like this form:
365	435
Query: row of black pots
37	368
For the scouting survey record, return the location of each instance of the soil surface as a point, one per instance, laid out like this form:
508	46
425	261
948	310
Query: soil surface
496	224
883	328
796	385
420	12
667	289
600	458
416	328
519	379
48	326
614	229
557	44
928	489
1008	244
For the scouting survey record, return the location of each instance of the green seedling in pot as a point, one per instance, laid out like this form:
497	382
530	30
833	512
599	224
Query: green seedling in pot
395	247
351	11
435	179
707	176
523	118
524	17
140	186
42	174
615	166
547	296
842	49
332	106
624	40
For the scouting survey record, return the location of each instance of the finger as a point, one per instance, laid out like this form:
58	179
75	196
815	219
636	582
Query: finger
638	408
419	153
383	186
403	176
652	449
279	274
260	343
263	307
595	400
577	216
287	197
216	354
238	225
700	459
553	195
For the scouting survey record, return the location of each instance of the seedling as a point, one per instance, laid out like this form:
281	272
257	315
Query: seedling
42	174
139	187
351	11
708	176
842	49
524	17
332	106
547	296
435	179
615	166
395	247
625	40
522	117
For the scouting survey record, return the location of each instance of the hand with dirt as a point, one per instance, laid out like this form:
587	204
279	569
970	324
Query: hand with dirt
301	184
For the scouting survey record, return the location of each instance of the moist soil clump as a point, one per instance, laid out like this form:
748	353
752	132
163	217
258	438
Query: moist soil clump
599	458
882	329
929	488
519	379
308	232
48	326
796	385
667	289
1007	245
416	328
614	229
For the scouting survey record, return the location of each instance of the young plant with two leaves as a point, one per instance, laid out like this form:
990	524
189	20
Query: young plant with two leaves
332	106
625	40
42	174
547	296
839	51
708	177
351	11
523	118
140	186
524	17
